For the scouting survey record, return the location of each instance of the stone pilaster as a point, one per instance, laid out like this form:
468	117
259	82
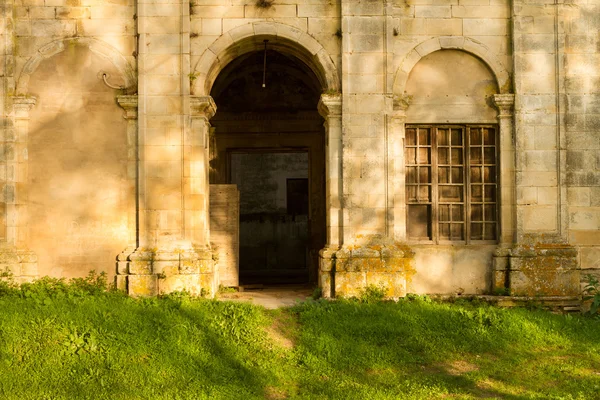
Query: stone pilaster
196	170
330	108
172	236
14	254
505	105
396	126
527	264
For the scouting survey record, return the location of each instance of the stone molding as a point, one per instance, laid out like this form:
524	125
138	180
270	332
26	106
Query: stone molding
330	105
22	105
505	104
203	107
129	103
401	103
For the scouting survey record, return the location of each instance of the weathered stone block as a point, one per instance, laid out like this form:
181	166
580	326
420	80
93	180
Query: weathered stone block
350	269
179	283
121	283
544	270
140	267
142	285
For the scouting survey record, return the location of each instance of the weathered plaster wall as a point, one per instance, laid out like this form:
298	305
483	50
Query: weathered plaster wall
452	269
38	23
451	86
81	198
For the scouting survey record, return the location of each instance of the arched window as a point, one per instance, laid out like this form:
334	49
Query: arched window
451	150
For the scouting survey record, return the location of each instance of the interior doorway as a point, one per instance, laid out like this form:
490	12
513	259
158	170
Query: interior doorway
268	139
274	204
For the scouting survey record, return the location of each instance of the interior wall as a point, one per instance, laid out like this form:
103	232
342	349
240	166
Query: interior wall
81	199
274	240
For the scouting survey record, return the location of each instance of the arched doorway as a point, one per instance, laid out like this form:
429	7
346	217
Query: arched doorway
268	139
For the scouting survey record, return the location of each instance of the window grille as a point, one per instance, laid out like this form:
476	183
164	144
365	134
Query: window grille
451	183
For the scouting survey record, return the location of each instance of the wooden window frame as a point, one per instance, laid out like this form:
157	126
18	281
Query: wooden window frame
434	184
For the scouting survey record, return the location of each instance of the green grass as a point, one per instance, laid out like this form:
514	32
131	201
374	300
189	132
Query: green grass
61	341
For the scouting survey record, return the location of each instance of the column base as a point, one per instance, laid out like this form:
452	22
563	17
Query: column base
541	269
348	270
21	264
150	272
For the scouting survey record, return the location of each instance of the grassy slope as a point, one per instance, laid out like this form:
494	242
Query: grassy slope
107	346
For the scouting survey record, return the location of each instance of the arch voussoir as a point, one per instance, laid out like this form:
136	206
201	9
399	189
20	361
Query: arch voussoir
250	37
463	43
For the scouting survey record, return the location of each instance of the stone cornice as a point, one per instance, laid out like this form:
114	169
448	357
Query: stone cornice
202	106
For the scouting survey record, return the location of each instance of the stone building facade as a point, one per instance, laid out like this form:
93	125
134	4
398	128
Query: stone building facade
430	146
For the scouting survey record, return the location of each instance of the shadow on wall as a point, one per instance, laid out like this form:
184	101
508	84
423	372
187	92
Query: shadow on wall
81	198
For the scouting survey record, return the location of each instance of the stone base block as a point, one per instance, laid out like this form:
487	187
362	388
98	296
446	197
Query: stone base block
142	285
150	273
538	270
349	270
20	264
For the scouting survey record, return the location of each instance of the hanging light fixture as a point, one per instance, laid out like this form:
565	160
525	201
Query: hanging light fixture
264	84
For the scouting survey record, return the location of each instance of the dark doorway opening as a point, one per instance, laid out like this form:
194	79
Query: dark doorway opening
274	234
269	141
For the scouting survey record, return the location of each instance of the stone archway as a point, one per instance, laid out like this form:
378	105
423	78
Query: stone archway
287	127
250	38
269	142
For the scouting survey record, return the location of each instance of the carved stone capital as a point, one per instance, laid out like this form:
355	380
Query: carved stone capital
505	104
202	107
22	105
330	105
401	103
130	105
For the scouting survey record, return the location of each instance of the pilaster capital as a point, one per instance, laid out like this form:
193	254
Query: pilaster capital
401	103
330	105
129	103
22	105
505	104
202	106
